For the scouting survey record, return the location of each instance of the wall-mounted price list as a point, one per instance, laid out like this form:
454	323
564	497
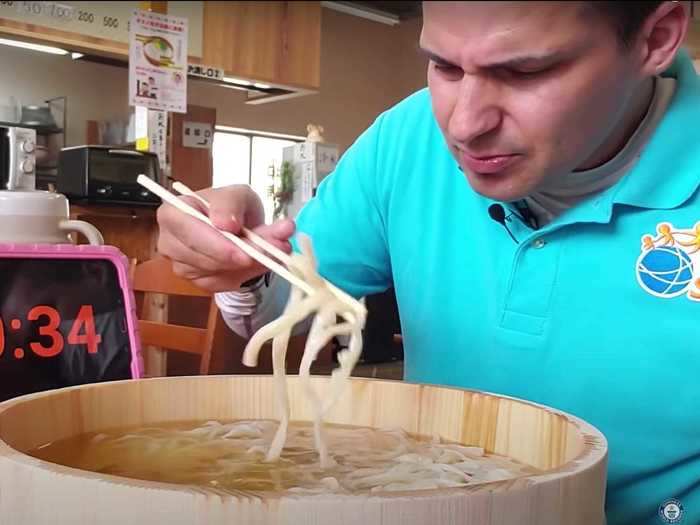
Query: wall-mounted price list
108	20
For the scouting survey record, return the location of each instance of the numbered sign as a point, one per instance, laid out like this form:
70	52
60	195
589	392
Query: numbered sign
105	20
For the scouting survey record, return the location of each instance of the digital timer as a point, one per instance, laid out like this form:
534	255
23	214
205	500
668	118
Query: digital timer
84	320
66	318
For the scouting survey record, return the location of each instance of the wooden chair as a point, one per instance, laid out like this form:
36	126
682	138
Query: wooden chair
156	277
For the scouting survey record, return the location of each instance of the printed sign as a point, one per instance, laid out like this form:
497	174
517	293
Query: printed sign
108	20
157	136
210	72
158	61
197	135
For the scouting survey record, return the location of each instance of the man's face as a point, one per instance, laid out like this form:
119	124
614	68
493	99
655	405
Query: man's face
524	91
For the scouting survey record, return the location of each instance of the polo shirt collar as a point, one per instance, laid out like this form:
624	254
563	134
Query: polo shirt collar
667	173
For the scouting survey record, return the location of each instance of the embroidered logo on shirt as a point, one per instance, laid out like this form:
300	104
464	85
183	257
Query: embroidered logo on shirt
671	511
669	265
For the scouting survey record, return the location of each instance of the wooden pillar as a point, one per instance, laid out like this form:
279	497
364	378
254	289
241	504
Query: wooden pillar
194	168
155	305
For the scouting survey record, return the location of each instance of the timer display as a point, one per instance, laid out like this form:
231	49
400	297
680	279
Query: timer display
85	321
63	322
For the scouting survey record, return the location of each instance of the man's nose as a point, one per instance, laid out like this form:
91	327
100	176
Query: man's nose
476	111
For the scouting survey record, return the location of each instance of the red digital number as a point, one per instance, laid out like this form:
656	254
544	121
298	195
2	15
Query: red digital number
49	330
2	337
90	337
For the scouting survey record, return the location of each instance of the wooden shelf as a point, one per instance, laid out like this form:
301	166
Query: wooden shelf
110	210
131	229
274	43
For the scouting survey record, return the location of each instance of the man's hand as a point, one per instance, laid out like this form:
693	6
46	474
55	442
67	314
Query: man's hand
204	256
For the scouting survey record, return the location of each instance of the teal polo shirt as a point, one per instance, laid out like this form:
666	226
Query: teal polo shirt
592	314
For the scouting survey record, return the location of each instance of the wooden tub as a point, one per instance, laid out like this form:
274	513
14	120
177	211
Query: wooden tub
34	492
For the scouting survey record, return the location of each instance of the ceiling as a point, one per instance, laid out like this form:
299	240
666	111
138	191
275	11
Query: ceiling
404	10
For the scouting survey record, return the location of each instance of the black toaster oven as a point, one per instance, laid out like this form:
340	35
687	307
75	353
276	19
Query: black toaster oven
103	174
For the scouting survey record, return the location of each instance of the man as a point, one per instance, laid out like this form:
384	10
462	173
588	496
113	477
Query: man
153	88
571	125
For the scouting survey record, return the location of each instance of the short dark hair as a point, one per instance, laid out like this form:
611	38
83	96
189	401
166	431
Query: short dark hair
626	18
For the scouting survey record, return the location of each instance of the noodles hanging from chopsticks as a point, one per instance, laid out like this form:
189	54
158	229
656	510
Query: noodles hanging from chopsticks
228	456
328	303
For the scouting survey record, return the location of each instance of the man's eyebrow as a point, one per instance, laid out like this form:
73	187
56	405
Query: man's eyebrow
510	63
529	60
436	58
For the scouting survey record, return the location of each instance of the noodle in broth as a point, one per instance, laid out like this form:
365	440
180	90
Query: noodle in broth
230	457
259	455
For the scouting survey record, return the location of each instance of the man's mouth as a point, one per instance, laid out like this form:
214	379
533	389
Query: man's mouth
491	164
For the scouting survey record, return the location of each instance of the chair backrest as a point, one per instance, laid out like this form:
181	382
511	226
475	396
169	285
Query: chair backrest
156	276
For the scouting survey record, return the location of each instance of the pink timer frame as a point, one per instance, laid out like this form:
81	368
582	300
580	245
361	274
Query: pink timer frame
84	251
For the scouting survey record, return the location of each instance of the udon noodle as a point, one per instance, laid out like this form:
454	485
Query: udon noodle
329	303
230	457
290	456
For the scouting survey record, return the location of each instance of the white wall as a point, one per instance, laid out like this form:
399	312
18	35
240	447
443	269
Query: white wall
94	91
365	68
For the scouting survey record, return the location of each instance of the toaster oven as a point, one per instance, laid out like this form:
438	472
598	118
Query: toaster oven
107	175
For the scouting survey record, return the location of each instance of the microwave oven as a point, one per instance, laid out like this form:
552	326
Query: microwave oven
17	158
103	174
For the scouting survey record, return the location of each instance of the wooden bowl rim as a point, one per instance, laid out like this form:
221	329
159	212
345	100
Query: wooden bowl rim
595	451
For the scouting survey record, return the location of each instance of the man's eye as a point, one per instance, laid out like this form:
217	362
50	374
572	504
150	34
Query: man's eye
449	71
525	74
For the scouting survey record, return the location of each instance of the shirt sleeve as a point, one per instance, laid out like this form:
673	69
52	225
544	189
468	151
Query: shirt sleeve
346	222
246	311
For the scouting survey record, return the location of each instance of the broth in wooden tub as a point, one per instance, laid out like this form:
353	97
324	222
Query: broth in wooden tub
193	450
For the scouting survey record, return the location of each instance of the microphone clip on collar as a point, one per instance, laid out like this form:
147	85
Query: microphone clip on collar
497	212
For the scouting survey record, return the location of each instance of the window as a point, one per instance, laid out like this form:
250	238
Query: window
231	154
247	157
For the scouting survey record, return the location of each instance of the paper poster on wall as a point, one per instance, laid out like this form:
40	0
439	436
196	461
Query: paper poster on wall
158	61
197	135
157	136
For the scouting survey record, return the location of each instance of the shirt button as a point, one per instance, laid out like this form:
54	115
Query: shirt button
538	243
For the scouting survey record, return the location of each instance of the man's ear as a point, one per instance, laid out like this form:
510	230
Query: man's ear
661	35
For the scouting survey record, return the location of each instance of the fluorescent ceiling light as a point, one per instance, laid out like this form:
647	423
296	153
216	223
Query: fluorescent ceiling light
76	56
363	12
230	129
262	86
33	47
232	86
237	81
